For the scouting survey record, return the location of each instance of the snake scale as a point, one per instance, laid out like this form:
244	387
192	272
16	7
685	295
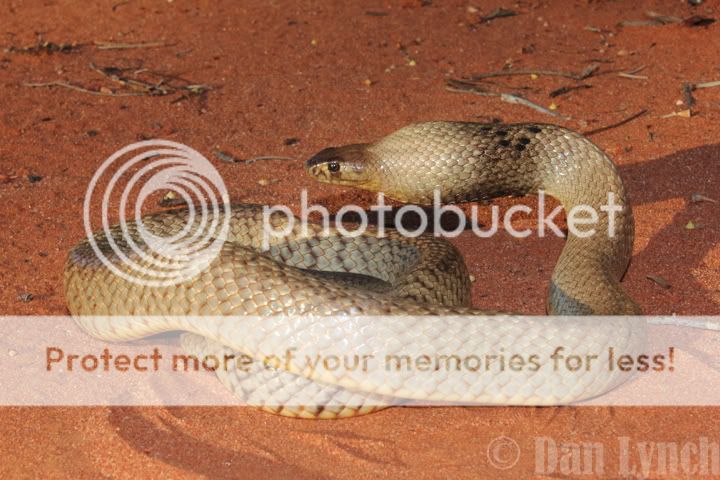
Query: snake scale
345	280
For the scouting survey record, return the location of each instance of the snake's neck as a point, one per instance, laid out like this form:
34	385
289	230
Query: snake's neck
468	162
596	255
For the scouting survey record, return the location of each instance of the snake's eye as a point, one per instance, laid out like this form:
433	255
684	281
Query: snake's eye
334	166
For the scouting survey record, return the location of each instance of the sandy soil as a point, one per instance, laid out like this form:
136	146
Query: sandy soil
329	74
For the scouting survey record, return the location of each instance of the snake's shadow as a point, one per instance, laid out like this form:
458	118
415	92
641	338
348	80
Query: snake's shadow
158	432
674	251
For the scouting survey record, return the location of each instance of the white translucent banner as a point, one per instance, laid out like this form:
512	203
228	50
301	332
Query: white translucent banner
360	361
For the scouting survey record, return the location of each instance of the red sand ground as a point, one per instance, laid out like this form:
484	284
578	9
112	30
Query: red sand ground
330	74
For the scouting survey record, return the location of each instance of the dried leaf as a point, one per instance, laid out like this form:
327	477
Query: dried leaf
697	198
170	199
698	21
659	280
683	114
225	157
498	13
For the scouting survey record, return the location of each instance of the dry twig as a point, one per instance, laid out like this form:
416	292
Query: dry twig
163	85
229	158
460	86
632	73
100	45
617	124
567	89
70	86
585	73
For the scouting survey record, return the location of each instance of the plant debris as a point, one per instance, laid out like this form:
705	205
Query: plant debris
100	45
463	86
498	13
171	199
226	157
617	124
698	21
229	158
632	74
688	89
102	92
585	73
265	182
265	157
654	19
682	113
715	83
567	89
44	46
688	98
698	198
25	297
660	281
134	82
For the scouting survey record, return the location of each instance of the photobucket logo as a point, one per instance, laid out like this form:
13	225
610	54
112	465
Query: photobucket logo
139	253
582	220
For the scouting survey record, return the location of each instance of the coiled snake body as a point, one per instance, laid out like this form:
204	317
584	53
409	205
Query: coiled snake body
422	277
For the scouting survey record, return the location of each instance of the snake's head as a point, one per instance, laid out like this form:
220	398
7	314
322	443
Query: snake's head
346	165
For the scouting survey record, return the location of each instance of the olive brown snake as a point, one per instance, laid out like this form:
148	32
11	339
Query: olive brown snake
421	277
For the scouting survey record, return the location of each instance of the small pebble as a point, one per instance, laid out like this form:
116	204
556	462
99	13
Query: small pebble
25	297
171	199
34	178
265	182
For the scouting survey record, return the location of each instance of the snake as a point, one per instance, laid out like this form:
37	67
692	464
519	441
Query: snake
329	286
